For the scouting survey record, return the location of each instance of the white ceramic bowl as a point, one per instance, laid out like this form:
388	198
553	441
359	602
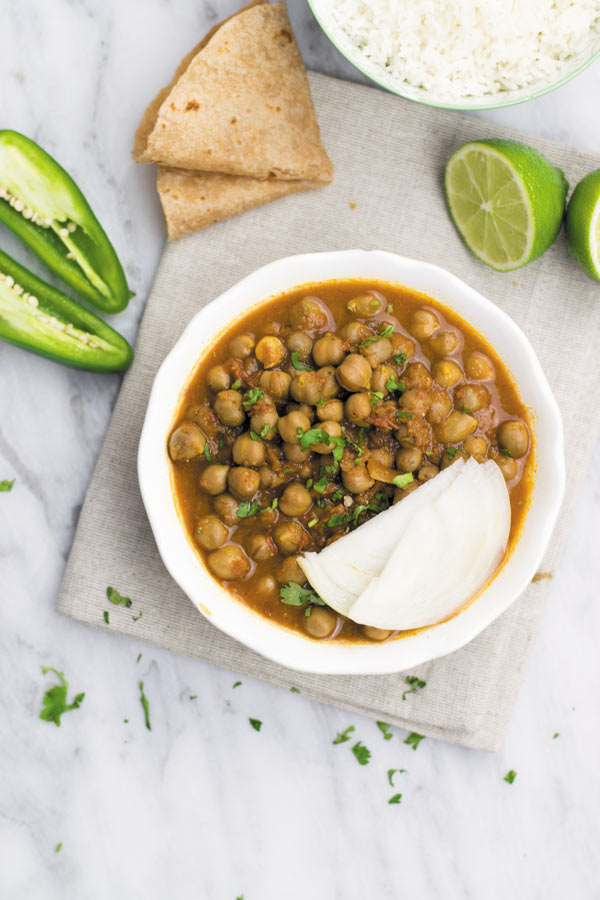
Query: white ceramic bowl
236	619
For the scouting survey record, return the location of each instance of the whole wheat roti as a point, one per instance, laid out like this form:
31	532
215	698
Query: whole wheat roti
191	201
240	104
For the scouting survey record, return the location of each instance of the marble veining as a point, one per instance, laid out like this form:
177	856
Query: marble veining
204	807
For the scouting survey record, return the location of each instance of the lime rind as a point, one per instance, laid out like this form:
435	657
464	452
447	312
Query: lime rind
582	225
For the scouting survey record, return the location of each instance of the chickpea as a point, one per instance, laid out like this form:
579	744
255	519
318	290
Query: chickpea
269	478
267	586
334	429
289	570
507	465
226	507
377	352
320	623
354	374
248	452
329	385
331	411
471	397
328	350
229	563
355	332
309	411
415	432
295	454
513	437
365	305
205	418
357	479
301	343
416	400
243	482
383	456
444	342
446	373
289	537
358	408
213	479
479	368
476	446
427	472
423	323
376	634
402	345
186	442
380	378
270	351
308	314
229	408
260	547
265	420
276	384
241	346
441	404
295	500
289	426
456	428
310	387
218	379
210	532
409	459
416	375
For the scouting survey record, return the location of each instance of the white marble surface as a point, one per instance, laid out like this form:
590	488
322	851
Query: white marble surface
204	806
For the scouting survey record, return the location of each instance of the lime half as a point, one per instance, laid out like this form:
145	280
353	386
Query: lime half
582	224
506	200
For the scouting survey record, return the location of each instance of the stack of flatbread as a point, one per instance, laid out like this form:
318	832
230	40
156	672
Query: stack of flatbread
236	127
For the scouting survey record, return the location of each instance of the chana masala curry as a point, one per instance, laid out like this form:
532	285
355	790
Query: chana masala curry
318	410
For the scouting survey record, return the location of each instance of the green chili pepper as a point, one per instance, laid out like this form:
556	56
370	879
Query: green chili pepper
43	206
38	317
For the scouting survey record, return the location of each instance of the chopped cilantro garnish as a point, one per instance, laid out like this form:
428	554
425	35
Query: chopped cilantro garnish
343	736
236	385
429	453
135	618
252	396
292	594
6	486
287	470
506	452
247	508
58	847
414	739
312	523
105	614
145	705
264	431
309	484
391	773
400	358
362	753
321	484
376	396
335	520
255	436
451	452
393	385
510	776
402	480
390	308
274	503
207	453
395	799
116	598
384	728
320	402
297	364
556	734
337	495
404	414
414	684
220	443
465	411
387	331
236	684
54	702
256	724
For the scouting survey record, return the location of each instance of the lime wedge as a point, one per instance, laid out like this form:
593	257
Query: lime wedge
506	200
582	224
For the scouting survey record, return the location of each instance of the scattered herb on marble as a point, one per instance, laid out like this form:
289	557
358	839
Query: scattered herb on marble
139	656
344	735
362	753
54	703
116	598
58	847
126	721
384	728
135	618
145	706
6	486
236	683
294	690
414	684
106	619
414	739
510	776
256	724
391	773
555	735
395	799
193	696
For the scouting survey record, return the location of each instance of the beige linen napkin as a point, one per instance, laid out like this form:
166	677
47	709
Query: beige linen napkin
387	194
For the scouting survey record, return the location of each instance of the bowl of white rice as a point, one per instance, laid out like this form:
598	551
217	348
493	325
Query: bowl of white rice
464	54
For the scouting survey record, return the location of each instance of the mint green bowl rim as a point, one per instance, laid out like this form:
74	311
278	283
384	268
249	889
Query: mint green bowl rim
469	107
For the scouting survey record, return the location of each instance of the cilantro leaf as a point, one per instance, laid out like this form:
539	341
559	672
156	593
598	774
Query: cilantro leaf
54	702
375	397
335	520
404	414
451	452
247	508
393	385
145	705
555	735
510	776
292	594
6	486
384	728
58	847
116	598
321	484
252	396
395	799
256	724
387	331
106	619
320	436
254	436
402	480
264	431
207	453
139	656
503	449
236	684
294	690
299	365
362	753
414	739
343	736
414	684
391	773
236	385
400	358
